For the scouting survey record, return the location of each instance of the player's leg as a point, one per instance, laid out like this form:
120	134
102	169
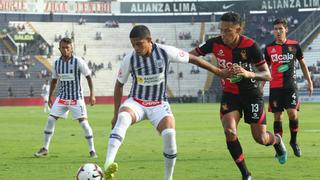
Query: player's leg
162	119
48	133
276	107
294	127
292	106
58	110
88	135
229	123
167	130
130	113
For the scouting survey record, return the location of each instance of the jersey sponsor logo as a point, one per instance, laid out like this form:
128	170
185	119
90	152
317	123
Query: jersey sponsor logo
149	80
273	50
147	103
66	77
224	64
283	58
67	102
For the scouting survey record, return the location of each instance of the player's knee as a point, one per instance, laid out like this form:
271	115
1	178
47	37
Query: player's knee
231	134
169	142
124	119
261	139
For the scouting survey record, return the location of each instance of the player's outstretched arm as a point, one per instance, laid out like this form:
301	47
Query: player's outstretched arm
117	96
92	98
306	75
53	85
262	73
223	73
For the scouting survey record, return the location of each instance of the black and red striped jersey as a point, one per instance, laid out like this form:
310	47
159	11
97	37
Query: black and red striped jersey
247	54
281	58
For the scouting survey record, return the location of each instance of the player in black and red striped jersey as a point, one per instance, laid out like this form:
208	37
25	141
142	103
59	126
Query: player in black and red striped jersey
281	55
241	93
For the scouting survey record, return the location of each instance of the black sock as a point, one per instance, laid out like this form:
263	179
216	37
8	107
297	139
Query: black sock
277	127
238	157
294	126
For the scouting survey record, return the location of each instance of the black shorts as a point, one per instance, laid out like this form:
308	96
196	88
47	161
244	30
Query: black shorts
281	99
251	105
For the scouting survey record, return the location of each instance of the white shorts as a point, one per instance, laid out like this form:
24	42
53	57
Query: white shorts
154	113
61	108
45	98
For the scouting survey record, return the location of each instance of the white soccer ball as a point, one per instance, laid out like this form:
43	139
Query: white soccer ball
89	171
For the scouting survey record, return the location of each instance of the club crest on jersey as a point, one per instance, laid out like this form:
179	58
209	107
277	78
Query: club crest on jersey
275	104
243	54
220	53
291	48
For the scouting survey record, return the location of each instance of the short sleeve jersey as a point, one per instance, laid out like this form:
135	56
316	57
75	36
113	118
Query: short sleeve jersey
247	54
281	59
149	74
69	74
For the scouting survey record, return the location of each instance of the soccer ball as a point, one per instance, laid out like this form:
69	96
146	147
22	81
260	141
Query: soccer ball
89	171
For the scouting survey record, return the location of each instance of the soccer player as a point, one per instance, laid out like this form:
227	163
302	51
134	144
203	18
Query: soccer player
281	55
68	69
45	95
242	95
148	65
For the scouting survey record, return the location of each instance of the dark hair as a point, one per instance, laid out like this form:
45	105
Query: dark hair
140	31
65	40
233	17
282	21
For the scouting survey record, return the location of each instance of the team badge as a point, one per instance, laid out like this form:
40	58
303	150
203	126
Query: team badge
220	53
243	54
291	48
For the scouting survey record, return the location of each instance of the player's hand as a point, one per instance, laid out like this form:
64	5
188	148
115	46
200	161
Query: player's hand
240	71
226	73
92	100
310	88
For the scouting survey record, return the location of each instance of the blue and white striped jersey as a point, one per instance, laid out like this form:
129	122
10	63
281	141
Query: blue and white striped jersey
149	74
69	74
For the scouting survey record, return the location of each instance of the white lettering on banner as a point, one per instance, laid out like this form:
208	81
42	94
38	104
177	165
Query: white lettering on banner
162	7
285	58
66	77
291	4
149	80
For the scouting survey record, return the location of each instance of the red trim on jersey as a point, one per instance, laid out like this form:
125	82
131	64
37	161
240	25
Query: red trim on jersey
277	77
261	62
147	103
289	41
245	42
262	117
240	158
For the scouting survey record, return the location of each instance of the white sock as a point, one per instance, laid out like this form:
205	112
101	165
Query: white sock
117	136
48	131
169	152
88	134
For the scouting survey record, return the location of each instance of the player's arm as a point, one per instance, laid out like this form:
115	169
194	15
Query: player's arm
194	52
262	74
225	73
117	96
53	85
92	98
306	75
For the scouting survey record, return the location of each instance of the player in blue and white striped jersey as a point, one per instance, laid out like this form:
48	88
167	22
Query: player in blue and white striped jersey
148	65
67	70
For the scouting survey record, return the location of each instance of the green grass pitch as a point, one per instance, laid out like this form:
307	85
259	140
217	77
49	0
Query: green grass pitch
202	152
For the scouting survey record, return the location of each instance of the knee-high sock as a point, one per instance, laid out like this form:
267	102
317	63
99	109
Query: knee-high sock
277	127
117	136
235	150
48	131
88	134
169	151
294	127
